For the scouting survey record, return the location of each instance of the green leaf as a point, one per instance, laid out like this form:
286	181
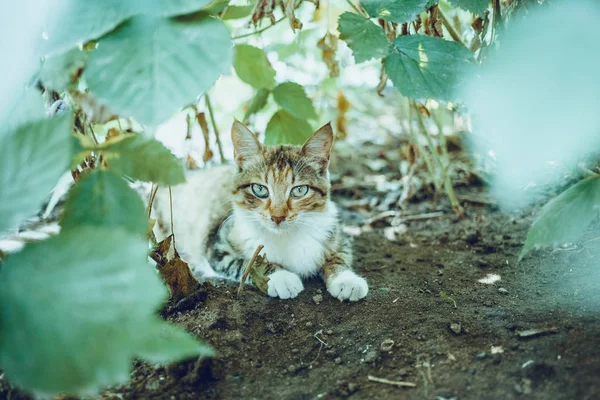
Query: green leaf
365	39
104	199
28	106
32	158
284	128
144	159
259	101
158	346
566	216
83	303
150	67
475	6
394	10
253	67
61	71
424	67
79	21
292	98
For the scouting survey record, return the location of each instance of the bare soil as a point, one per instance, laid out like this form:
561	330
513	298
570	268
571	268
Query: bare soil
315	347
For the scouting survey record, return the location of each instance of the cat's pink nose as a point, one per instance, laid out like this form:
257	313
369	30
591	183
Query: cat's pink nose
277	220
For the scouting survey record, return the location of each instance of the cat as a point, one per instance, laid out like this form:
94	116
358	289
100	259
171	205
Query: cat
277	196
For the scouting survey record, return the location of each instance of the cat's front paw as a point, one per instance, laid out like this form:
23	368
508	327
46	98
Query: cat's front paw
348	286
284	284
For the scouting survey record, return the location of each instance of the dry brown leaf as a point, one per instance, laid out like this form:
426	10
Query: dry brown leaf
343	105
328	46
289	8
263	9
424	111
173	270
208	154
96	113
112	133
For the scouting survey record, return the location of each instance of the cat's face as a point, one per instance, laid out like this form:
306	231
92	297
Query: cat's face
279	187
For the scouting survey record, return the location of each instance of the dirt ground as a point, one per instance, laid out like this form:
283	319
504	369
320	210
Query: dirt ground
463	344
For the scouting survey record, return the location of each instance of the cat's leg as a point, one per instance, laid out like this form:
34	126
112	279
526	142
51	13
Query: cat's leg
283	284
341	281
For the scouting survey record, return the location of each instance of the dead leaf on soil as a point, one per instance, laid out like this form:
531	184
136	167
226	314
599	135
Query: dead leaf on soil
174	271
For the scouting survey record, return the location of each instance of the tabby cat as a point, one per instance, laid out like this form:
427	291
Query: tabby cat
277	196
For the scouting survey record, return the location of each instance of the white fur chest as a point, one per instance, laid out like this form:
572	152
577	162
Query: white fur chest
300	249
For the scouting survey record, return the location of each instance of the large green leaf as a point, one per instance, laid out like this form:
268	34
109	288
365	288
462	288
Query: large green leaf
292	98
475	6
424	67
72	22
150	67
365	39
32	158
78	307
284	128
253	67
394	10
102	198
142	158
566	216
60	70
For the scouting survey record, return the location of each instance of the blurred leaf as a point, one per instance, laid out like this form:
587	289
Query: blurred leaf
32	158
549	117
237	12
394	10
284	128
365	39
253	67
259	101
292	98
158	347
566	216
85	286
95	112
144	159
138	71
475	6
101	198
81	147
424	67
28	107
79	21
61	71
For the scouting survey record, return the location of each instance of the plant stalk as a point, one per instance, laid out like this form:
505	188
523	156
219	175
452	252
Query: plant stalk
215	128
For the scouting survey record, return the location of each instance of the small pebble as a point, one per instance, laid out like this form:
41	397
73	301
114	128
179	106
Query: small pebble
329	332
387	345
481	355
338	360
370	356
502	290
318	298
456	328
291	368
309	324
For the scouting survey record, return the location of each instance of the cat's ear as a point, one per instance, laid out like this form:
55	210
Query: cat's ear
245	143
318	146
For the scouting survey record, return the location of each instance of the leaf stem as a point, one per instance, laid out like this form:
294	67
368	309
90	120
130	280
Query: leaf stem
449	26
215	128
421	149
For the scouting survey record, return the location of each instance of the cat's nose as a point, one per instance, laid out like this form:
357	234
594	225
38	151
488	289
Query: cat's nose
277	220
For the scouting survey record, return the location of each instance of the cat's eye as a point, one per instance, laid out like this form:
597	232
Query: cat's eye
260	191
299	191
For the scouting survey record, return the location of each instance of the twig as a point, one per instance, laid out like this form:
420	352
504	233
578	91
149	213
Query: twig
214	125
354	7
153	191
421	216
424	154
259	31
171	207
448	188
248	268
321	345
93	133
393	383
